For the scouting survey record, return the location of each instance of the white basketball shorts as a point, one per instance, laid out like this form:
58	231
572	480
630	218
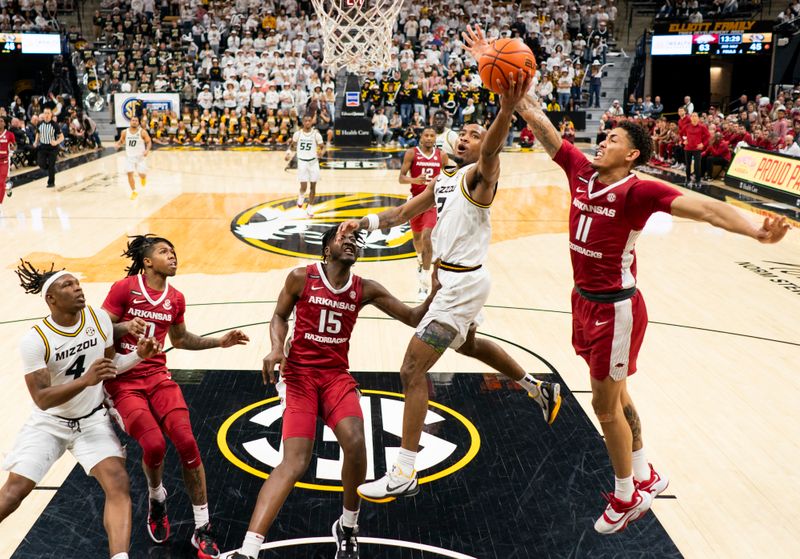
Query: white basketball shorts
308	171
136	165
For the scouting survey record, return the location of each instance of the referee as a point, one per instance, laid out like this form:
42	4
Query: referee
48	138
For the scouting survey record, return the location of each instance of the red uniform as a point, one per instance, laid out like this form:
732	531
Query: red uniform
609	316
149	384
428	167
316	376
6	141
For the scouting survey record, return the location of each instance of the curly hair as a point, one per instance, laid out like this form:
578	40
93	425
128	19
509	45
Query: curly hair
640	139
140	247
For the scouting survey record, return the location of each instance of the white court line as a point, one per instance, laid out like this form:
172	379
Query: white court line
375	541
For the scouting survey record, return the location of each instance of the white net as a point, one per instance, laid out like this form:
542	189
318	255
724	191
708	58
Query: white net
357	34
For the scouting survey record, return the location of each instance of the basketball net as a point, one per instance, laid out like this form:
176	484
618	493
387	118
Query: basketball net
357	34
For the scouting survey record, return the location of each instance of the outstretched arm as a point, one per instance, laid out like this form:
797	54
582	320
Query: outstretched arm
181	338
393	216
376	294
530	109
726	217
482	178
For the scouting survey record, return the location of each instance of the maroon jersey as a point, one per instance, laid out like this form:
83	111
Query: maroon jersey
130	298
6	140
324	320
605	220
424	165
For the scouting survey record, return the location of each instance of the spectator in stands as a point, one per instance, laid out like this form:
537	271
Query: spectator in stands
526	137
380	127
697	138
615	110
658	108
688	106
595	82
718	152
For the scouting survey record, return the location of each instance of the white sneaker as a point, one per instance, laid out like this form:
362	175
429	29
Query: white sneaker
422	294
300	201
619	514
310	210
393	484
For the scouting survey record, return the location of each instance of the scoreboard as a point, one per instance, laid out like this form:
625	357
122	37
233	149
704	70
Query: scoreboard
30	43
726	43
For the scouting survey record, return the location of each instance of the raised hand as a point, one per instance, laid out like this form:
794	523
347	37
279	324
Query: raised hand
474	41
518	86
349	226
275	358
232	338
773	230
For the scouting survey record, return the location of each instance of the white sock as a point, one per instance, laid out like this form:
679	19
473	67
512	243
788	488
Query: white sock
251	544
120	556
200	515
158	493
349	518
641	468
405	461
300	199
530	384
623	488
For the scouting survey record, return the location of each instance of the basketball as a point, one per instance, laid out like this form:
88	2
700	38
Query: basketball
505	56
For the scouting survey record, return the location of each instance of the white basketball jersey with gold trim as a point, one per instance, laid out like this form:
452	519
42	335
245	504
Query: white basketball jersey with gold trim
463	227
67	353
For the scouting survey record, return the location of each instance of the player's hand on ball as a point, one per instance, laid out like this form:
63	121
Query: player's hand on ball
474	41
518	87
100	370
136	327
276	358
232	338
148	347
773	230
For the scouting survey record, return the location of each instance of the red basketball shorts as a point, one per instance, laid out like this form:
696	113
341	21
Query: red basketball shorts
608	335
330	395
425	220
157	394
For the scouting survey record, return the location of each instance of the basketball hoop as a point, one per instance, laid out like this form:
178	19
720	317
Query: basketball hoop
357	34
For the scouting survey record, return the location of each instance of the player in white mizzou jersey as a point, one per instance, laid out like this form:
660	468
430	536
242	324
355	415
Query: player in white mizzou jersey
460	245
137	146
310	148
66	358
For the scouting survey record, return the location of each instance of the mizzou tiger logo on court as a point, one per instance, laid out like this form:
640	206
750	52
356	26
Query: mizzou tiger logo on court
281	227
251	440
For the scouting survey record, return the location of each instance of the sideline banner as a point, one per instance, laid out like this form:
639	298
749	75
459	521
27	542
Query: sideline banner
770	174
128	104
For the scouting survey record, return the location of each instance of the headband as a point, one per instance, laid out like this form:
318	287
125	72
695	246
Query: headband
52	280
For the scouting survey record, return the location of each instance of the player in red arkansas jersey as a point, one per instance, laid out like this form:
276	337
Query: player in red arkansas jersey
610	206
7	143
315	381
420	166
146	398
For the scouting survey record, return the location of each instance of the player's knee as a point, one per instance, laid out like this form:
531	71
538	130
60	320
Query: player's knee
353	444
180	433
154	447
410	375
294	464
117	484
12	495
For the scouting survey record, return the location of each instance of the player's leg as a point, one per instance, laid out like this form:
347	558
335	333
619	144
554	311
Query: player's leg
301	195
313	176
426	249
424	350
4	166
546	394
141	170
13	492
350	434
112	477
299	429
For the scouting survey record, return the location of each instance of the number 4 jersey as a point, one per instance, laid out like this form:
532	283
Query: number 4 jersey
67	352
324	320
130	298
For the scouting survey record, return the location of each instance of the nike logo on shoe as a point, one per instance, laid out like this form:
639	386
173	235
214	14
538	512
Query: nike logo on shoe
389	488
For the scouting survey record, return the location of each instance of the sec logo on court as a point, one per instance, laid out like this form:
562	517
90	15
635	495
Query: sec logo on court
281	227
251	440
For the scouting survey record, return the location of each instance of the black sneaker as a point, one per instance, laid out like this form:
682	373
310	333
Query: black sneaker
157	521
205	541
549	399
346	541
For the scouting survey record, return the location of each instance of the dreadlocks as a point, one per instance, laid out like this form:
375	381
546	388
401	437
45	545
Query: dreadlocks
31	279
329	236
139	248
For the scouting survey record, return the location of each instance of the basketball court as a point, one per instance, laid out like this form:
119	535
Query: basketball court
716	389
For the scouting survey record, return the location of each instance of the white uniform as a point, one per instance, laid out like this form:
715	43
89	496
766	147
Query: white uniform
307	161
134	150
461	241
81	424
446	141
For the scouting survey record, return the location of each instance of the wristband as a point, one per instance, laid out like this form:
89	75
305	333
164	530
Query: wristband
373	220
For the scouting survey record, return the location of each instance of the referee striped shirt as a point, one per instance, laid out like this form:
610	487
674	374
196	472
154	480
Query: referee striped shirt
47	132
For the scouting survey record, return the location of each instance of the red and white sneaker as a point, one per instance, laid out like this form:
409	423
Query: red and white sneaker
158	527
619	514
655	485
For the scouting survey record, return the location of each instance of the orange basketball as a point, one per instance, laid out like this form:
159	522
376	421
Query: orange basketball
505	56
